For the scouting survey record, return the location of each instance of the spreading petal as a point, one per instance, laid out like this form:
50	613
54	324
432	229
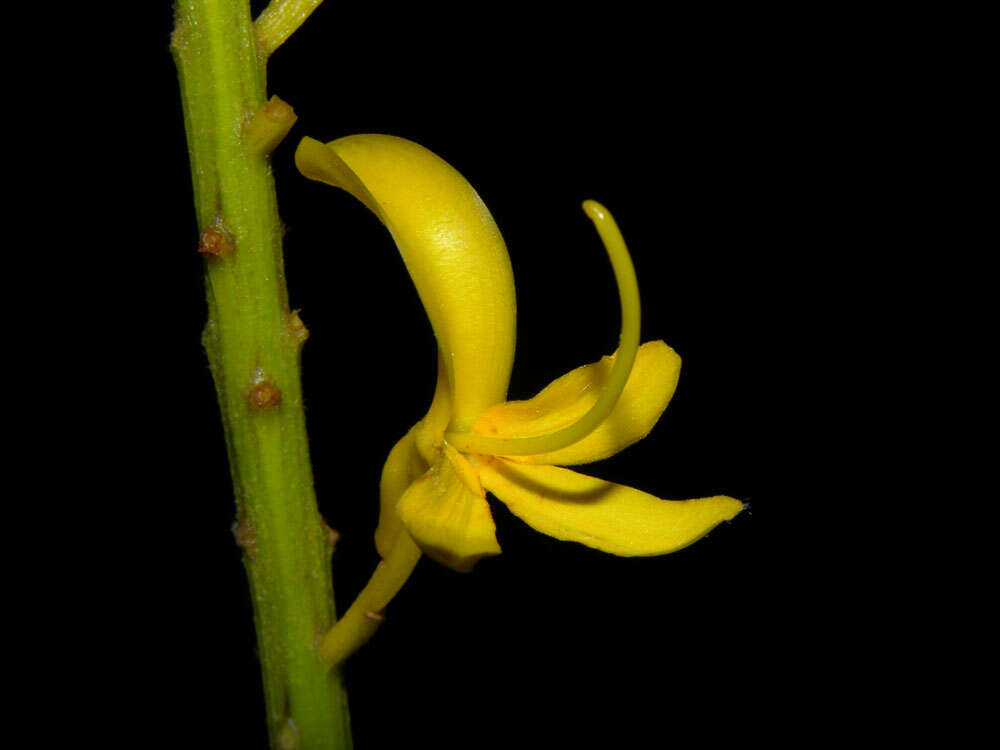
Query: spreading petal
446	513
647	392
606	516
452	249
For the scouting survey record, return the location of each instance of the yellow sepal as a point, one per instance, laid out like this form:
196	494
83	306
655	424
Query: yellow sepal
446	513
409	459
403	466
647	392
607	516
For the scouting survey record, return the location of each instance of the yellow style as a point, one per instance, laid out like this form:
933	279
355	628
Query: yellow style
472	440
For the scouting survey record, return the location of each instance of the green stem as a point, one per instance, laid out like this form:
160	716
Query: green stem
253	343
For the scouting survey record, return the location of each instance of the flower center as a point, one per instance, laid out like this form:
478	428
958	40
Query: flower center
628	293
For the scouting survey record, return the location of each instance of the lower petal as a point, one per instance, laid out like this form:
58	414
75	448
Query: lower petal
446	513
607	516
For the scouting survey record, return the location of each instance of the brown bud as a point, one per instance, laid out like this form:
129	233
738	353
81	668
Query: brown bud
264	394
246	537
215	240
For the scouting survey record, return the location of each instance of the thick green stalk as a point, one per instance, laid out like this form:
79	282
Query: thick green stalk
253	343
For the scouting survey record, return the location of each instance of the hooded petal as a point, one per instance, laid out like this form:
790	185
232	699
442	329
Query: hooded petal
647	392
606	516
452	249
446	513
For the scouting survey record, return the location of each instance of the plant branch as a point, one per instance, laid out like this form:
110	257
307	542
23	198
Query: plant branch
279	20
253	342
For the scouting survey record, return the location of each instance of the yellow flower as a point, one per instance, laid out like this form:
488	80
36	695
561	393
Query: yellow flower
472	440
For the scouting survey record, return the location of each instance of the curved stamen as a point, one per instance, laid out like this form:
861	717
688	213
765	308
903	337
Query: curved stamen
628	292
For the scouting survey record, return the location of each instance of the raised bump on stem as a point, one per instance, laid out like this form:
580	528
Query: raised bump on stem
263	393
269	125
216	240
295	329
628	292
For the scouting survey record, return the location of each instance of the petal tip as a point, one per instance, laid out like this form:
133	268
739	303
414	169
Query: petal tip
461	563
308	153
730	507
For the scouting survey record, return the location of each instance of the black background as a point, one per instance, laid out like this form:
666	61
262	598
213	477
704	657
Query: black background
727	147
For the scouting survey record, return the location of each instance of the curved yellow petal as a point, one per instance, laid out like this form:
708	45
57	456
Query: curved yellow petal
606	516
446	513
451	247
647	392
